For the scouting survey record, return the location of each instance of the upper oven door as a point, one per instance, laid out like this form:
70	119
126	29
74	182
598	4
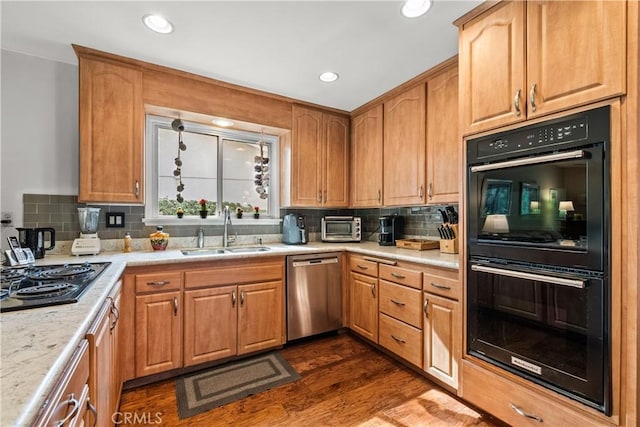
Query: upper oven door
547	208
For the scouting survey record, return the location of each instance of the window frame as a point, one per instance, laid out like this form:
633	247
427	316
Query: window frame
151	217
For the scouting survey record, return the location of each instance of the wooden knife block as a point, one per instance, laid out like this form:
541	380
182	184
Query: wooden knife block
450	246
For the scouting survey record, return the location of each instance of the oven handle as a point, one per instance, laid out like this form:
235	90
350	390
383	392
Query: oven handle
577	154
574	283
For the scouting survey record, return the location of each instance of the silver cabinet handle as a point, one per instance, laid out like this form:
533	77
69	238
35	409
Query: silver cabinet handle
175	306
373	290
136	189
425	308
233	299
429	191
325	196
362	267
532	97
574	283
320	196
398	340
159	283
524	414
401	304
379	195
420	191
76	407
516	102
398	276
436	285
241	298
93	410
116	315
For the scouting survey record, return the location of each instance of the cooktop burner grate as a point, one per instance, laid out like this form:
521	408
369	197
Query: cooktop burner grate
8	274
45	291
61	273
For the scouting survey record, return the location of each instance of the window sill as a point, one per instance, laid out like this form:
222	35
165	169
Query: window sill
192	220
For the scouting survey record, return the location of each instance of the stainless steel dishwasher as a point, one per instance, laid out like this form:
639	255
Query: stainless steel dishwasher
314	294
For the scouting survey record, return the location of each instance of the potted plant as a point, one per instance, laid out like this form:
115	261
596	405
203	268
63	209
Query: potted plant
180	212
203	208
256	212
239	212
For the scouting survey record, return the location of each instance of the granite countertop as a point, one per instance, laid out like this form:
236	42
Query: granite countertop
37	343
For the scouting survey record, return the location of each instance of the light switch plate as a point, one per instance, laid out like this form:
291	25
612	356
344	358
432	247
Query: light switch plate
115	219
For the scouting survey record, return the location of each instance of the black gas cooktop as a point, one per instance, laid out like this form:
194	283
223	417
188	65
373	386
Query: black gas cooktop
26	287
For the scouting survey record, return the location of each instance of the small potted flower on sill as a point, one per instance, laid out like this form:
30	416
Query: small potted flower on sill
180	212
256	212
239	213
203	208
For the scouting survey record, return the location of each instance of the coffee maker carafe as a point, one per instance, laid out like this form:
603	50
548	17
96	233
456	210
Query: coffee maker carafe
390	230
33	238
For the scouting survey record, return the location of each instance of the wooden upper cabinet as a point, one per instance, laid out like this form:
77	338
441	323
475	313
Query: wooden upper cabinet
319	159
443	146
366	158
576	53
111	132
520	60
492	68
404	148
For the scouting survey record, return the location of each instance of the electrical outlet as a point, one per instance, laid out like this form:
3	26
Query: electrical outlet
6	218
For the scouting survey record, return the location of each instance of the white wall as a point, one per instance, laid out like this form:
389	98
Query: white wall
39	146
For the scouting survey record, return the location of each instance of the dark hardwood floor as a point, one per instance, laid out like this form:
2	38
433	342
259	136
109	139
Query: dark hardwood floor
345	382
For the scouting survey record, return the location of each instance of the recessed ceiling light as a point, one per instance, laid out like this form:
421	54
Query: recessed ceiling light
222	122
158	24
329	76
415	8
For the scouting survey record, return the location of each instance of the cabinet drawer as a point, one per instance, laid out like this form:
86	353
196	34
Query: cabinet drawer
401	302
501	397
234	275
360	265
402	339
158	282
401	275
443	286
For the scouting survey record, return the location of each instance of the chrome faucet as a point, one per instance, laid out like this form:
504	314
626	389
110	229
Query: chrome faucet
227	222
200	238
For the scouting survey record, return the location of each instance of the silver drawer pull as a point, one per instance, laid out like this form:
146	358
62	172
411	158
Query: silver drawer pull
76	407
398	340
436	285
397	302
362	267
524	414
159	283
398	276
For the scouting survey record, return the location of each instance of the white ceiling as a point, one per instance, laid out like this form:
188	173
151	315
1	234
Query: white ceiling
275	46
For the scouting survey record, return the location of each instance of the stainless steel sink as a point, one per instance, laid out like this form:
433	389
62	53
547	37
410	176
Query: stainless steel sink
248	249
202	251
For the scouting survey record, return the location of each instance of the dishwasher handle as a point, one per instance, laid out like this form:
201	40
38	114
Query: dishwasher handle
315	261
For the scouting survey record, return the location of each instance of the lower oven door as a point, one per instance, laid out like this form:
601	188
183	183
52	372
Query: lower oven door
548	327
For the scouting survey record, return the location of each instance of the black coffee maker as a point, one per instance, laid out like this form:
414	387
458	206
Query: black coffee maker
390	230
33	238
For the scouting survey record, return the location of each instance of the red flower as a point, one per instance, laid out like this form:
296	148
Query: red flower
256	208
203	202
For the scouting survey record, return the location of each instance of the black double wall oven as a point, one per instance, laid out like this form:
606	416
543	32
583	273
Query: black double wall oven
538	289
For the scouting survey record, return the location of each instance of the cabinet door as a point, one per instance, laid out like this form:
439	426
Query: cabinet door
404	148
210	324
443	146
492	68
111	132
366	159
101	355
363	317
576	53
335	191
158	333
260	316
306	157
442	340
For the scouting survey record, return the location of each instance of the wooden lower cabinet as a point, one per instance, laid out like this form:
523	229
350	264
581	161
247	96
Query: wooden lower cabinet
363	315
442	338
260	320
105	383
402	339
158	337
68	404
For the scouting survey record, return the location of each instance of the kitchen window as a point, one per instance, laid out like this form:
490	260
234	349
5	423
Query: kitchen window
221	166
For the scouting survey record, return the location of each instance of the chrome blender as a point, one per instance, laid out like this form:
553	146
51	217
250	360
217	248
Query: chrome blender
88	242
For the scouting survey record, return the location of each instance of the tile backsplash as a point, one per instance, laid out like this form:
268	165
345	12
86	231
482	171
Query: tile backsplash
61	213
